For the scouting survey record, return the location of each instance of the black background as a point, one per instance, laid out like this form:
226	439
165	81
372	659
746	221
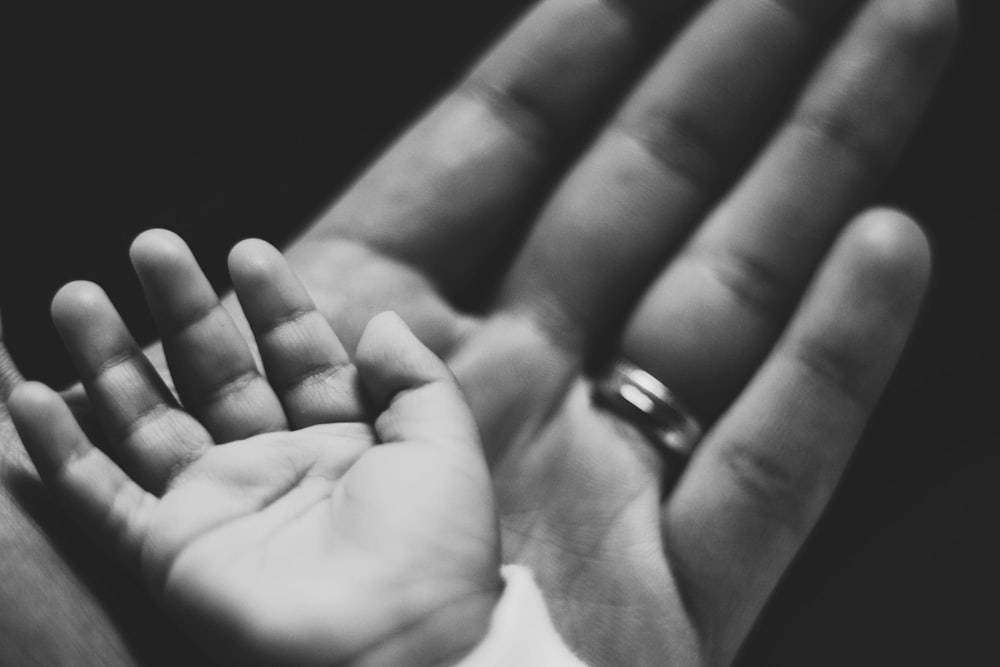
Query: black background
226	125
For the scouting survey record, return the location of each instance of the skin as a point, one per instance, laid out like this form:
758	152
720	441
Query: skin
303	545
713	230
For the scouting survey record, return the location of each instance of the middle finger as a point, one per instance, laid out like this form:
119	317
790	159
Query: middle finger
666	156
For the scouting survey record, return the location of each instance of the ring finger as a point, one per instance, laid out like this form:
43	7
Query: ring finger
722	302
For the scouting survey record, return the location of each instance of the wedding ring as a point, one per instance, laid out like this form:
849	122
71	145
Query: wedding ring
647	404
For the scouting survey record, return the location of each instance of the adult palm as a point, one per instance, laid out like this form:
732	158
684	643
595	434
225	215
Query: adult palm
711	233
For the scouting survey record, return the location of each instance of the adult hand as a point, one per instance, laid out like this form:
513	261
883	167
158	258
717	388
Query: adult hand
590	191
710	230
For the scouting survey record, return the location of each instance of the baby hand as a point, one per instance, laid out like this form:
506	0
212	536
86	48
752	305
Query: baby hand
329	513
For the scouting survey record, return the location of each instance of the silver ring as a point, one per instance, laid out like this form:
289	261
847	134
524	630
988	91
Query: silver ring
646	403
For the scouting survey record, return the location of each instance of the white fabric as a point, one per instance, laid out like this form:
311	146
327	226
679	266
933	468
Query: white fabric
521	633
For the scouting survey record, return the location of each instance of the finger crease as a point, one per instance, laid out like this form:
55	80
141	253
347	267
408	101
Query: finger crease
683	148
777	493
176	329
837	370
291	318
230	387
516	109
150	414
313	376
111	363
754	283
844	135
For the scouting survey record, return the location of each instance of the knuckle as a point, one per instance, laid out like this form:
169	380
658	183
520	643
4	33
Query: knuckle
840	366
758	285
776	488
518	106
844	131
681	142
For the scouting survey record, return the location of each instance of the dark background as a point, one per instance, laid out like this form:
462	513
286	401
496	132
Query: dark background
222	126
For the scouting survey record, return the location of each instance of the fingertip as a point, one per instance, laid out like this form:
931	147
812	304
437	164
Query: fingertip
893	233
267	287
391	358
417	396
45	424
894	250
253	247
30	398
387	336
75	302
156	240
160	252
175	286
254	261
389	323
